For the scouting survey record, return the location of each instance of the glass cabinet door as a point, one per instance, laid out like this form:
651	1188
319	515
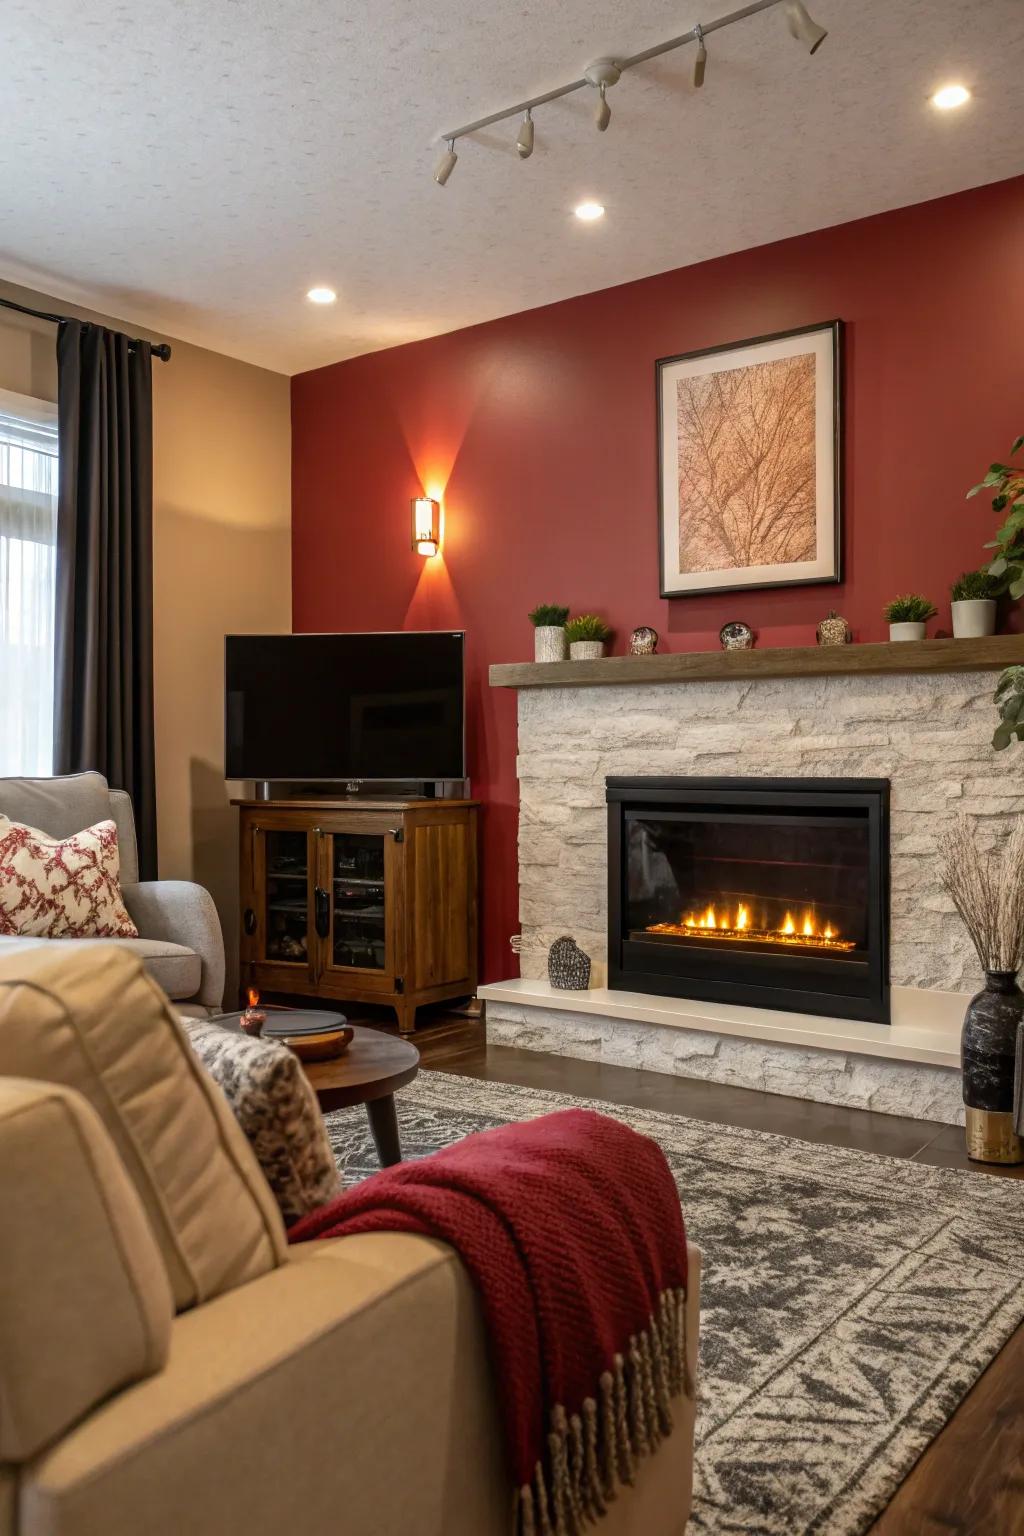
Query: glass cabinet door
359	902
286	899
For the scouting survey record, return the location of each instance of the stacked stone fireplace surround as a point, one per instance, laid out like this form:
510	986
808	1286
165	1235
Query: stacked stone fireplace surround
929	734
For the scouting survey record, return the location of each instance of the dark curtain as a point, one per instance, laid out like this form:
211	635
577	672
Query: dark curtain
103	682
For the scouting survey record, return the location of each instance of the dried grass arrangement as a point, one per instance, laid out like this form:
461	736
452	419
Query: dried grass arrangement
988	892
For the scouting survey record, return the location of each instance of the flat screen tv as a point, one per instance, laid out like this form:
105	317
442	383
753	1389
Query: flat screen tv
387	707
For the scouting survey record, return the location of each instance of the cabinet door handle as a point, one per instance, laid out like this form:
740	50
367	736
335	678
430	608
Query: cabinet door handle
249	921
321	912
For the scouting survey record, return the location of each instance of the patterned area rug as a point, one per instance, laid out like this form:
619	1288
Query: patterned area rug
848	1301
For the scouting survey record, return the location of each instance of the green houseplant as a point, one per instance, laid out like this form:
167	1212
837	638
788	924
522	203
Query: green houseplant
1009	701
973	604
1006	483
548	620
587	635
908	616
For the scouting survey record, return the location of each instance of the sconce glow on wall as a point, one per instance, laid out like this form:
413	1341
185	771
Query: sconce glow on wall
426	525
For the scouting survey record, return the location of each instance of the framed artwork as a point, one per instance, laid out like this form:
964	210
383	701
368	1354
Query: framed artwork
749	439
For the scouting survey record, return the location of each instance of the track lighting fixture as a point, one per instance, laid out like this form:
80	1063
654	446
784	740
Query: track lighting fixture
802	27
701	61
524	143
604	73
446	164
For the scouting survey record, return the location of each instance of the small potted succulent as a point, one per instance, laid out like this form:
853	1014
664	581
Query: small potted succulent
548	620
587	635
973	604
908	616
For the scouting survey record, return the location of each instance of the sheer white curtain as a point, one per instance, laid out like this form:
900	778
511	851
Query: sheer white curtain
28	537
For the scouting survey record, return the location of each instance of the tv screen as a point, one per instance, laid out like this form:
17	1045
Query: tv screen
320	707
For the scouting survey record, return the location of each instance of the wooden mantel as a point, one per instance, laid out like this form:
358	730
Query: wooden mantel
790	661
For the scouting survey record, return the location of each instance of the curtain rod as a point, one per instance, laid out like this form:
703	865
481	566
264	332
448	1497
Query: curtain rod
161	350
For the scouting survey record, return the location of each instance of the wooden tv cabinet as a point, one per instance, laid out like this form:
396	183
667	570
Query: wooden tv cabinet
369	901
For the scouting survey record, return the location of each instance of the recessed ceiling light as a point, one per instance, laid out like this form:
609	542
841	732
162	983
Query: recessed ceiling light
321	295
950	96
588	212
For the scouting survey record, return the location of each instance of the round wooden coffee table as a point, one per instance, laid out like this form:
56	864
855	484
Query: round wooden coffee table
370	1072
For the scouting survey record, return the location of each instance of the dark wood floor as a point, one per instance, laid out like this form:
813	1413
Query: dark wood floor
971	1478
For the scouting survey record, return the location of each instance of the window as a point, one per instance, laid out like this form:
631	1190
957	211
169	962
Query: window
28	539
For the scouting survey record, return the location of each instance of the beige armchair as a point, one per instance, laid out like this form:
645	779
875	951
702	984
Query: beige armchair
168	1365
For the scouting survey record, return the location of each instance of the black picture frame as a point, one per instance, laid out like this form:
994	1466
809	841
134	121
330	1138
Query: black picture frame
833	329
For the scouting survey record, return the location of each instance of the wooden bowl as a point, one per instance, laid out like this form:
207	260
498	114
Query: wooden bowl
323	1046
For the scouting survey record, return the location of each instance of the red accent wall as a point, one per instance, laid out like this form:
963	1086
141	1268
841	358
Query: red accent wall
538	430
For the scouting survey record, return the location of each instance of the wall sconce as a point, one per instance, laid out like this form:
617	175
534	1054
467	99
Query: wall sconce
426	525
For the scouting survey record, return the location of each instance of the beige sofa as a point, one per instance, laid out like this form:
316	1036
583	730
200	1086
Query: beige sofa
168	1365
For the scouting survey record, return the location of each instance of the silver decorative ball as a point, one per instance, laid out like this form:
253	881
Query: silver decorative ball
736	636
643	641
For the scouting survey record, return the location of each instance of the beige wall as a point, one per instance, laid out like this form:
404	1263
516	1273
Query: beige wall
222	564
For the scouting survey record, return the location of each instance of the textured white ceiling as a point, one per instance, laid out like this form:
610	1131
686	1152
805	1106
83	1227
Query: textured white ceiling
195	165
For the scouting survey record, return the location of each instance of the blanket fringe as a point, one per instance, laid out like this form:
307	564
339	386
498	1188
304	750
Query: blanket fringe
591	1454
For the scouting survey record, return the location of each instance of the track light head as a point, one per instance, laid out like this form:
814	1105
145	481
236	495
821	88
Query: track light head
446	164
802	27
604	111
601	74
701	61
524	143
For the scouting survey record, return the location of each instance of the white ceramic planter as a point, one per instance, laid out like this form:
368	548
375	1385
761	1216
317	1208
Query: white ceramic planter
907	631
586	650
974	617
549	643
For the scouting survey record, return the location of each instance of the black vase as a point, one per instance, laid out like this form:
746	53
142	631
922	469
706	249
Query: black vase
988	1045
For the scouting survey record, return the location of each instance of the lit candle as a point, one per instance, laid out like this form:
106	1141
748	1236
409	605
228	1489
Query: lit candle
254	1017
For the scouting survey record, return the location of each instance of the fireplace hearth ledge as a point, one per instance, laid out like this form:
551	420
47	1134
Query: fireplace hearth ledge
910	1067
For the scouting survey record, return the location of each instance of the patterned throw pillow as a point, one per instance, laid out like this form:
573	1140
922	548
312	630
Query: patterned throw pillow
62	887
274	1103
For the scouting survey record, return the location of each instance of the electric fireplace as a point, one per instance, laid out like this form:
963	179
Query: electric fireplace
770	892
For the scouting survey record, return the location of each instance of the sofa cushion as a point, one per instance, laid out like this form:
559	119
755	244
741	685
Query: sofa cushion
60	805
89	1016
85	1305
55	888
175	967
274	1103
65	803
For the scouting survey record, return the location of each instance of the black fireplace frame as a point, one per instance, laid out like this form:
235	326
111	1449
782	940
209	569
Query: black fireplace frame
869	797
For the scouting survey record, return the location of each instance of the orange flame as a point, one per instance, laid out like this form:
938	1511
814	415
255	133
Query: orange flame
800	930
254	997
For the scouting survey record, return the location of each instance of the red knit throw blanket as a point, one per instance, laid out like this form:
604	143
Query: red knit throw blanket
571	1229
